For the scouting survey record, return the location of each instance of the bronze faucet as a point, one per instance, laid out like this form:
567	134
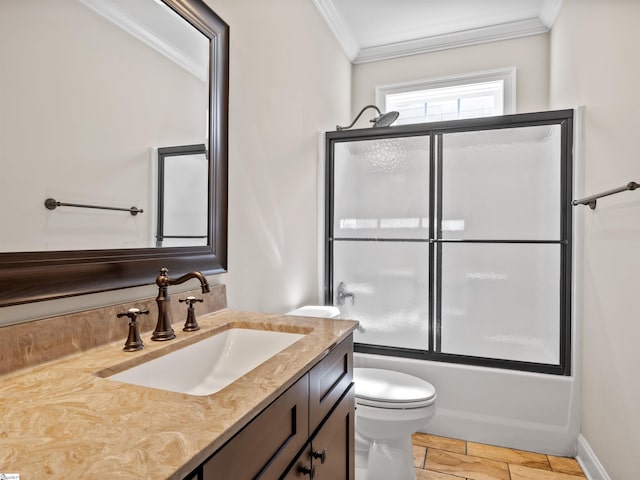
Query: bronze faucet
163	330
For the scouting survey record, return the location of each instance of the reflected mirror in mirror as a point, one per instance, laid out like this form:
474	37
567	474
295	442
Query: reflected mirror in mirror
182	186
90	89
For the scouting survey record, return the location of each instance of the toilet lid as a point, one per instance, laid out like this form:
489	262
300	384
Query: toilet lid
389	389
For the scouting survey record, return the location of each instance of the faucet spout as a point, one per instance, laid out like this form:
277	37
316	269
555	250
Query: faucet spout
163	330
188	276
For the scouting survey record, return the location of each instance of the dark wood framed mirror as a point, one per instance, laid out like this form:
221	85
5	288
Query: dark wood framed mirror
31	276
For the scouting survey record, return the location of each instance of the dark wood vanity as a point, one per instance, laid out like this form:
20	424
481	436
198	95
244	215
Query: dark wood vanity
307	432
290	417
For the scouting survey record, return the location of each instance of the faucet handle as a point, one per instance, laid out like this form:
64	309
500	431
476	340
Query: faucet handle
134	342
190	300
191	325
132	313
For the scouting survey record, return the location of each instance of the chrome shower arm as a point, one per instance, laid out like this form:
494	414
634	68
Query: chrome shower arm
339	128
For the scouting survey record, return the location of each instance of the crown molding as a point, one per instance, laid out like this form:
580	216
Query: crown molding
550	11
464	38
119	17
339	28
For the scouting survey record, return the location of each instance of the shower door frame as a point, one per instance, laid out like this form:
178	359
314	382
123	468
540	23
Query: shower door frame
563	118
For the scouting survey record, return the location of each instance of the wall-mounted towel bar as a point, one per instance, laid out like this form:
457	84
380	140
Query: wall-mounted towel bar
184	236
52	204
591	201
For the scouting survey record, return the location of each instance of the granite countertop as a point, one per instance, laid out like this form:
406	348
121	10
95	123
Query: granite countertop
62	420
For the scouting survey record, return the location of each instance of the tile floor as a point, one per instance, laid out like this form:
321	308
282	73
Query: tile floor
440	458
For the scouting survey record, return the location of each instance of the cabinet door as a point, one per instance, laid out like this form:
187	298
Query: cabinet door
332	448
328	381
330	456
265	447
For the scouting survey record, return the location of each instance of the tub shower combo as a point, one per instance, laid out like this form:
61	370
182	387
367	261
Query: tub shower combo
451	243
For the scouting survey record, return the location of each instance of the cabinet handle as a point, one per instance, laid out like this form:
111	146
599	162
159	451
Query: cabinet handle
321	455
308	471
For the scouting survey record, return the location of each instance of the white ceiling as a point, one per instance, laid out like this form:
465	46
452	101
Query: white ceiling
161	28
370	30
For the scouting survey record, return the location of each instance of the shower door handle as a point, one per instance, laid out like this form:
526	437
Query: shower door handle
344	294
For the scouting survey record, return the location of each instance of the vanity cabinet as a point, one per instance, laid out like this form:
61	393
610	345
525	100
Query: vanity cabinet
306	433
264	448
330	453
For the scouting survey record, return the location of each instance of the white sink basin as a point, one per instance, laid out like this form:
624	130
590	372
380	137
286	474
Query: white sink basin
211	364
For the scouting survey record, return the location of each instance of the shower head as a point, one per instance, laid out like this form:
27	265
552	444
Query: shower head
385	119
382	120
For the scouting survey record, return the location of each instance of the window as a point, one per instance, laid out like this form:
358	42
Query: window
467	96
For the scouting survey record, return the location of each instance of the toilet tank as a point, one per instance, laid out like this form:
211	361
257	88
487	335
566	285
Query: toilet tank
321	311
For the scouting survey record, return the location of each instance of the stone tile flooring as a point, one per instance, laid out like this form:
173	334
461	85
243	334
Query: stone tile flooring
440	458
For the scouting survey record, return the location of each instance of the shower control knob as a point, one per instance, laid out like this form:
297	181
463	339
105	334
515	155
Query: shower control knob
322	455
344	294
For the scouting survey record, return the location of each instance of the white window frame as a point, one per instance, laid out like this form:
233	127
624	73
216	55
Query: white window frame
507	75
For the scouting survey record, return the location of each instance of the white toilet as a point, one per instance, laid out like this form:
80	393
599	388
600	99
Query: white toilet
390	407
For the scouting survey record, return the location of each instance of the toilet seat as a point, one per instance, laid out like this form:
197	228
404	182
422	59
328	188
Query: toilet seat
380	388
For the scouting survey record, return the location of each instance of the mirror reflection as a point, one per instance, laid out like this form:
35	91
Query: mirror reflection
89	91
182	184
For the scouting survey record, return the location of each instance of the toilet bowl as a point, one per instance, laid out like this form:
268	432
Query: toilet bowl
390	407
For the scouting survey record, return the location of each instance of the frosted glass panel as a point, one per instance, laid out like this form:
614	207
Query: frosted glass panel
185	214
501	301
381	188
389	282
502	184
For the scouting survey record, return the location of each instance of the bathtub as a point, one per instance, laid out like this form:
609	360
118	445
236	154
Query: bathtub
522	410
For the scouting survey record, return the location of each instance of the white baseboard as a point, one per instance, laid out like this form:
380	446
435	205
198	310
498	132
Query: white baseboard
590	464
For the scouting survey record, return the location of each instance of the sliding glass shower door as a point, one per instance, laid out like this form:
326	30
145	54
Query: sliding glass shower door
451	241
499	283
381	239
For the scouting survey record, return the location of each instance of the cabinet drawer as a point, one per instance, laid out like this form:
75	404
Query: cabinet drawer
328	381
265	447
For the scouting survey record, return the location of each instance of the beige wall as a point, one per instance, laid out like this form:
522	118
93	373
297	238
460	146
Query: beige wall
289	80
529	55
594	62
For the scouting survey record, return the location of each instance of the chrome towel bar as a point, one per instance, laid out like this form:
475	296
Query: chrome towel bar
591	201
